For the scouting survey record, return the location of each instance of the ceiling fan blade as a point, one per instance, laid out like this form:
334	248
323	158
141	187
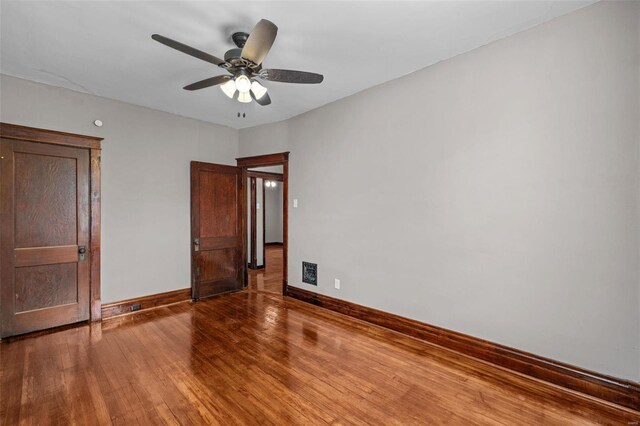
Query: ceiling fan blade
187	49
260	41
291	76
264	100
208	82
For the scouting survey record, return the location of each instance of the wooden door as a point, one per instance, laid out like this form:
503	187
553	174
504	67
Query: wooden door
217	229
44	216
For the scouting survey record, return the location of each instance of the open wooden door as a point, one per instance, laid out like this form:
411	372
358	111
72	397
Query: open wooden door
44	212
217	229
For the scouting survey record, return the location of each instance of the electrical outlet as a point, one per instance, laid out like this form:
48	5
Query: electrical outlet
337	283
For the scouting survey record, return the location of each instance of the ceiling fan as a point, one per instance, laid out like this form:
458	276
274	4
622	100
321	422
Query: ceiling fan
244	63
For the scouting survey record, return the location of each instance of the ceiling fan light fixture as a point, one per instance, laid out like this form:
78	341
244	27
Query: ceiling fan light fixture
244	64
244	97
229	88
258	89
243	84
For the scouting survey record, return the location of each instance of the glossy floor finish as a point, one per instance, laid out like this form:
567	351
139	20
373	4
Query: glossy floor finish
258	358
270	278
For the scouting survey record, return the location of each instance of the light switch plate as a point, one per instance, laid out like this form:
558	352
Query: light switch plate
295	203
337	283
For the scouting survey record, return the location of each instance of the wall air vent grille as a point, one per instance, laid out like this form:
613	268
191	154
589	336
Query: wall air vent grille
310	273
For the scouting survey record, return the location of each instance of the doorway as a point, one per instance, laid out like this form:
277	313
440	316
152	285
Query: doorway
266	212
265	228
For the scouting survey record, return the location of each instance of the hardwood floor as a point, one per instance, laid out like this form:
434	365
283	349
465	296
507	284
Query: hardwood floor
260	358
270	278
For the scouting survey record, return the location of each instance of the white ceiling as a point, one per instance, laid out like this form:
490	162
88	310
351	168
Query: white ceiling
105	48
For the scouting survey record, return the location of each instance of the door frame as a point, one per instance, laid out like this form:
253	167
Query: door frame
93	144
252	258
277	159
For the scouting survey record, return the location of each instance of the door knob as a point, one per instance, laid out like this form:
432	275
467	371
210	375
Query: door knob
196	244
81	251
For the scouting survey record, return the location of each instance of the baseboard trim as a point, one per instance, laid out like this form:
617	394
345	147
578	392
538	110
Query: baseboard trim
618	391
257	268
146	302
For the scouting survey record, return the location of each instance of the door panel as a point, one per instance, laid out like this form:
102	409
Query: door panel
216	229
218	204
43	286
45	221
218	264
45	195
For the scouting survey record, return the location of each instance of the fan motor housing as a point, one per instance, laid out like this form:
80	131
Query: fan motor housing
232	54
234	61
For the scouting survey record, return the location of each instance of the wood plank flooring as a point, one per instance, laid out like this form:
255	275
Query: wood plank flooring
270	278
259	358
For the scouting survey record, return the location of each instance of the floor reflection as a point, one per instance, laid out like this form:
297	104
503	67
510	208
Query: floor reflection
270	278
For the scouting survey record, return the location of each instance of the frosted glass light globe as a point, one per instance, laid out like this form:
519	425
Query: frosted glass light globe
258	89
229	88
244	97
243	84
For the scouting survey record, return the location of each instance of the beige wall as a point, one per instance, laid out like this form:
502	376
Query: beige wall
495	193
145	178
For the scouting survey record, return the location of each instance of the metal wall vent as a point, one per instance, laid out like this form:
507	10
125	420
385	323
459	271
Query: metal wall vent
310	273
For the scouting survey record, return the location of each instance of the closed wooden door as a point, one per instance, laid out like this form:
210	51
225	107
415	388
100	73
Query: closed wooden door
217	229
44	236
